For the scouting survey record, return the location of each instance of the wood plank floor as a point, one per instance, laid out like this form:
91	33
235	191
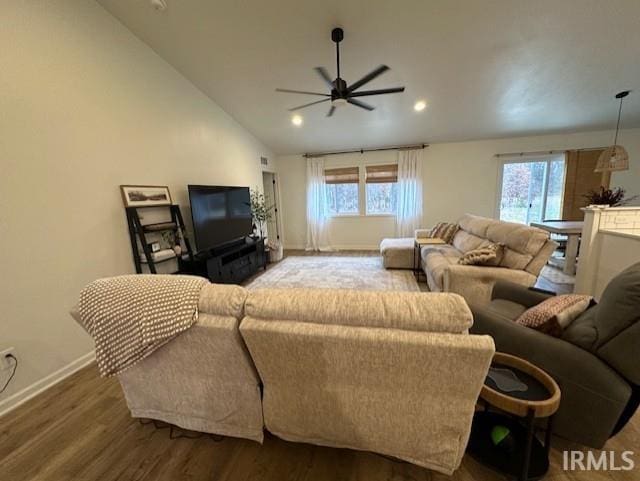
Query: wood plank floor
81	430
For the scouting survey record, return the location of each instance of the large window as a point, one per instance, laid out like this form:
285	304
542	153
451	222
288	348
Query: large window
381	188
342	190
532	191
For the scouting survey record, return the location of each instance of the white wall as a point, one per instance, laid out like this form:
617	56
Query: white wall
85	107
459	177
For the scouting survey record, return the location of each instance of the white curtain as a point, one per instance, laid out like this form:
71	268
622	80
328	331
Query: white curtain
409	204
317	218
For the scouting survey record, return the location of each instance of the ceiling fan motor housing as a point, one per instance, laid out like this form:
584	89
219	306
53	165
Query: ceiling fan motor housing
339	89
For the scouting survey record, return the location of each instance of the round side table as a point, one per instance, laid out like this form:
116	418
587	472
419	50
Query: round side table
520	393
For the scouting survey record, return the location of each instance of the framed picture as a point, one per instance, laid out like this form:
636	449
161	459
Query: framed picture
145	195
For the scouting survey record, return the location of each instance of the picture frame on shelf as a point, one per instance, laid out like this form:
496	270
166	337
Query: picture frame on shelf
145	195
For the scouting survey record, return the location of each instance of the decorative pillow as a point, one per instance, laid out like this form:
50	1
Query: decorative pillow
489	255
555	314
444	231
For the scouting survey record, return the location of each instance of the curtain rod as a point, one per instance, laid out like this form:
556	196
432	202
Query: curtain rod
545	152
362	151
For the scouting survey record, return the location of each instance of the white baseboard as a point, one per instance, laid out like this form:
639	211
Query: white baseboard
45	383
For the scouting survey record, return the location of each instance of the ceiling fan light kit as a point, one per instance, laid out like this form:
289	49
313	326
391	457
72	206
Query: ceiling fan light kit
342	93
616	156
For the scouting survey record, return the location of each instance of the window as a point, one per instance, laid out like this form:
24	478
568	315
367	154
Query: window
342	190
381	188
531	191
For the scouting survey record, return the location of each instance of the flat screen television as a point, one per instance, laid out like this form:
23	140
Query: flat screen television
220	215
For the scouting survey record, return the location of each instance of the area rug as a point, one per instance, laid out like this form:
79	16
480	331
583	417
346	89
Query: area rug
555	275
359	273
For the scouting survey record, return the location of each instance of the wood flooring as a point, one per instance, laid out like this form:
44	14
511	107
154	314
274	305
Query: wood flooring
81	430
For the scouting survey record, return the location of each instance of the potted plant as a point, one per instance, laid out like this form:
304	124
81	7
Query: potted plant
261	212
610	197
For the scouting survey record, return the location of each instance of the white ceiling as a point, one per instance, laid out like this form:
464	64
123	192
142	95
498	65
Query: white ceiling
487	69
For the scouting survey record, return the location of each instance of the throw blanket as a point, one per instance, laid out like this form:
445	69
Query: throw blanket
129	317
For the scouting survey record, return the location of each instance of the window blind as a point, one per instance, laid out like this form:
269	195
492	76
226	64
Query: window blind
381	174
344	175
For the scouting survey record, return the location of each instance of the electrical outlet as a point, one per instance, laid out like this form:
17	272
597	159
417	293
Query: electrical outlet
6	362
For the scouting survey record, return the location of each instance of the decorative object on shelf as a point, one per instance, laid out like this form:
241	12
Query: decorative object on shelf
611	197
262	213
614	157
168	240
145	195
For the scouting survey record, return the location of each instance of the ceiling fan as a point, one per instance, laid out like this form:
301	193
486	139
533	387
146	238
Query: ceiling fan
341	92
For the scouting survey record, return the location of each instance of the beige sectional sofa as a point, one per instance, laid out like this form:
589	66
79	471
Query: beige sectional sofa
396	373
526	251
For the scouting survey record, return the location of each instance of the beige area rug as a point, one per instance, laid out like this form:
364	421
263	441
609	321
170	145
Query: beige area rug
555	275
360	273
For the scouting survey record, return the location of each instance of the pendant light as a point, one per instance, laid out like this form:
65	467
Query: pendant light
616	156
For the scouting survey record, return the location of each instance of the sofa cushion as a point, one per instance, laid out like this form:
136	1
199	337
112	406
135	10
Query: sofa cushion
397	253
414	311
522	243
222	300
437	261
619	304
504	309
465	241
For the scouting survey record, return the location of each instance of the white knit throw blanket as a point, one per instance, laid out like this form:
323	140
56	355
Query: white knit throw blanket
129	317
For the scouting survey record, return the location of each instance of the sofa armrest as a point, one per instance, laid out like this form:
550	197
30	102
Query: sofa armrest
475	283
593	394
422	233
525	296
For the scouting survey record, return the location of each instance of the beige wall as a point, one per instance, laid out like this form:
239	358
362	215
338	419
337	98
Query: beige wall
84	107
458	177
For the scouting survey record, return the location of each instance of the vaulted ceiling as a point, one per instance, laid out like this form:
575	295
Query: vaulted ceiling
491	68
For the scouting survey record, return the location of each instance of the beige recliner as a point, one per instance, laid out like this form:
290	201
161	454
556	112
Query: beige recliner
395	373
526	251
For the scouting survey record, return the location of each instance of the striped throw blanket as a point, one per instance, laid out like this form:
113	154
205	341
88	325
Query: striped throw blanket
129	317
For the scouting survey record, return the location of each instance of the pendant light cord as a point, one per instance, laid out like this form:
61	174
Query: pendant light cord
615	141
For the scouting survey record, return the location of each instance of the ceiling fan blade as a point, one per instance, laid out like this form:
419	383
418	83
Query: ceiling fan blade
308	105
362	105
368	78
365	93
287	91
331	111
325	76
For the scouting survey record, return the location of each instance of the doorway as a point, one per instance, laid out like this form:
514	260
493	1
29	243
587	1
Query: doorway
531	190
271	199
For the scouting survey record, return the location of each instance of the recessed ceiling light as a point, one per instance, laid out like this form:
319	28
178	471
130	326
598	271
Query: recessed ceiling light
296	120
420	105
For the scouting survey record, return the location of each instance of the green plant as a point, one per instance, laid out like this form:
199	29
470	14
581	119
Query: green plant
611	197
261	212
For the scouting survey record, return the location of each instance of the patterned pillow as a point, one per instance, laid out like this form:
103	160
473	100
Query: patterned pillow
489	255
444	231
555	314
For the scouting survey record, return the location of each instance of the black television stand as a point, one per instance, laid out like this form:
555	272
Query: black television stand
235	262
